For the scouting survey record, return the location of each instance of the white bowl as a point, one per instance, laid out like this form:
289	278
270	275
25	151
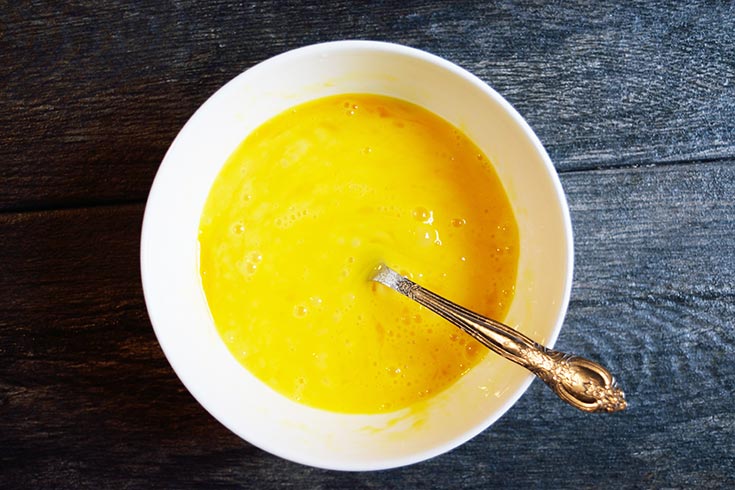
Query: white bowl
176	303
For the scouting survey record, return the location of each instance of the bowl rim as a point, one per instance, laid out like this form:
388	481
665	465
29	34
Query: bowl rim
552	176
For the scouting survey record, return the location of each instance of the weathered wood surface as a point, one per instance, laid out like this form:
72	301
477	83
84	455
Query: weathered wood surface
88	400
635	103
93	93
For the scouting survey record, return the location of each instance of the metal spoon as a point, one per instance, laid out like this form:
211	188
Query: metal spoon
580	382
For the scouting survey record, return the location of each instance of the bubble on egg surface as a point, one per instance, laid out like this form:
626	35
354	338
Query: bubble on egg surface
300	311
423	215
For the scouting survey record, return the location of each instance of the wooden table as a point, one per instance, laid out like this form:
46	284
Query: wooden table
634	102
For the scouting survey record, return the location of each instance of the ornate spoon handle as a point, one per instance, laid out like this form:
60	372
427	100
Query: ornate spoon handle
580	382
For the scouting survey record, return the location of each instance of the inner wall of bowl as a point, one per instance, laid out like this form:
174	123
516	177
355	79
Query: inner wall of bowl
187	335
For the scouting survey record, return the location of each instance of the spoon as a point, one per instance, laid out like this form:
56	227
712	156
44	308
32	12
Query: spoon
580	382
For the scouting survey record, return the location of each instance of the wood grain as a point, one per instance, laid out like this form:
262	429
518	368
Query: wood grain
93	93
635	102
87	399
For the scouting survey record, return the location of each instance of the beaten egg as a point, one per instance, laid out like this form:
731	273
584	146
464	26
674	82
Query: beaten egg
302	213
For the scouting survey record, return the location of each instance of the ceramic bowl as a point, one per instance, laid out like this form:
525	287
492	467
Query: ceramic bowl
178	309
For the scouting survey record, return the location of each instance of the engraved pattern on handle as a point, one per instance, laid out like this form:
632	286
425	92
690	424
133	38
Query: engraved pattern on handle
580	382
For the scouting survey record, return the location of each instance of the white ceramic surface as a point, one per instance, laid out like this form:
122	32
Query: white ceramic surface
176	303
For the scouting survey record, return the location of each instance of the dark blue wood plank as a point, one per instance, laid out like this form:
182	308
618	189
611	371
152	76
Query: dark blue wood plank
87	399
94	93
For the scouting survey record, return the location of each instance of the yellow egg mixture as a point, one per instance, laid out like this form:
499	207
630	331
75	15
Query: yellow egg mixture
302	213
